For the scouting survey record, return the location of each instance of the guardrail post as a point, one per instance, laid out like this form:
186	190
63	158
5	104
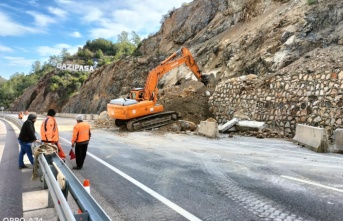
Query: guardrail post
82	216
53	170
66	189
50	201
44	185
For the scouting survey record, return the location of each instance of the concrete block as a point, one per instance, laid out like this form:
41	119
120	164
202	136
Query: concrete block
313	138
338	141
228	125
209	129
246	125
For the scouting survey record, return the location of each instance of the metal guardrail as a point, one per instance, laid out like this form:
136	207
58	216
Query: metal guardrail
63	210
17	122
50	166
91	210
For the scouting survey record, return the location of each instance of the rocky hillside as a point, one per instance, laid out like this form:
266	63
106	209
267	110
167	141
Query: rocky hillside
227	38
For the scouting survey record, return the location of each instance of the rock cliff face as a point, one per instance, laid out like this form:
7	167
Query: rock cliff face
227	38
39	98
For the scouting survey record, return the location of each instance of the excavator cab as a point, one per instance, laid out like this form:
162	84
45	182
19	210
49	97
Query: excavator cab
137	94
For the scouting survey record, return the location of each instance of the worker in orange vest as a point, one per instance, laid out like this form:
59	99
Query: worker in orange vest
80	140
20	115
49	132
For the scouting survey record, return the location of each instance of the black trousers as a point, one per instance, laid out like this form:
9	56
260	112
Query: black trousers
80	153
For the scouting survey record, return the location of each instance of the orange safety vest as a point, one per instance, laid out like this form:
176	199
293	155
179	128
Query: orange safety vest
81	133
20	115
49	130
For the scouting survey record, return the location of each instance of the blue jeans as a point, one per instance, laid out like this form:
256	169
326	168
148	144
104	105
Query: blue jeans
25	148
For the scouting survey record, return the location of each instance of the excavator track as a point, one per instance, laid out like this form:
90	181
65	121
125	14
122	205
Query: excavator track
151	121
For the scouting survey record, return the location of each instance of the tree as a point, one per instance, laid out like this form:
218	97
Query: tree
100	43
65	54
54	59
87	53
99	54
80	52
123	37
90	62
36	67
135	38
104	61
125	49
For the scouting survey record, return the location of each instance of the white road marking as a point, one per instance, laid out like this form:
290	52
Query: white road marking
3	134
314	184
164	200
67	141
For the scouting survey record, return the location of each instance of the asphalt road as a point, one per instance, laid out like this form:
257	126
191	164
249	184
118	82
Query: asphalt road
10	175
152	176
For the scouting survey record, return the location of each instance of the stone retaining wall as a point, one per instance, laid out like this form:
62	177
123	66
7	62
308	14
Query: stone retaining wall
282	101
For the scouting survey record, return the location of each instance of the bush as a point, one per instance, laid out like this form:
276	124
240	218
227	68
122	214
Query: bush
54	87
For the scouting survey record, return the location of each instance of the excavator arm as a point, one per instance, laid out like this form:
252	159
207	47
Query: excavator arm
183	56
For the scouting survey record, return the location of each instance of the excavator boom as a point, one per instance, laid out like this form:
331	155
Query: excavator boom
173	61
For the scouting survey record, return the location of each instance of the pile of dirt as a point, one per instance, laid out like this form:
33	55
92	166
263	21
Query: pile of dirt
103	123
189	100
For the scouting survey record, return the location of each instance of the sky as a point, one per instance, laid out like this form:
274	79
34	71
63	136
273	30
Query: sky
33	30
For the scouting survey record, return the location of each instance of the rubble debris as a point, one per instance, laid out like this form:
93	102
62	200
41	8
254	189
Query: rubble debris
187	125
228	125
250	125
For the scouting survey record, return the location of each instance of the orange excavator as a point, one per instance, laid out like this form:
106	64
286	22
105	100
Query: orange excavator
140	111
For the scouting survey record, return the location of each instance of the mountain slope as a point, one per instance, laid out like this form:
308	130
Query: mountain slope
227	38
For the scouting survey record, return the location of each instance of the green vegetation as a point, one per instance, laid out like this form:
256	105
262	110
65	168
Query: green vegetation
66	83
15	86
310	2
106	51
